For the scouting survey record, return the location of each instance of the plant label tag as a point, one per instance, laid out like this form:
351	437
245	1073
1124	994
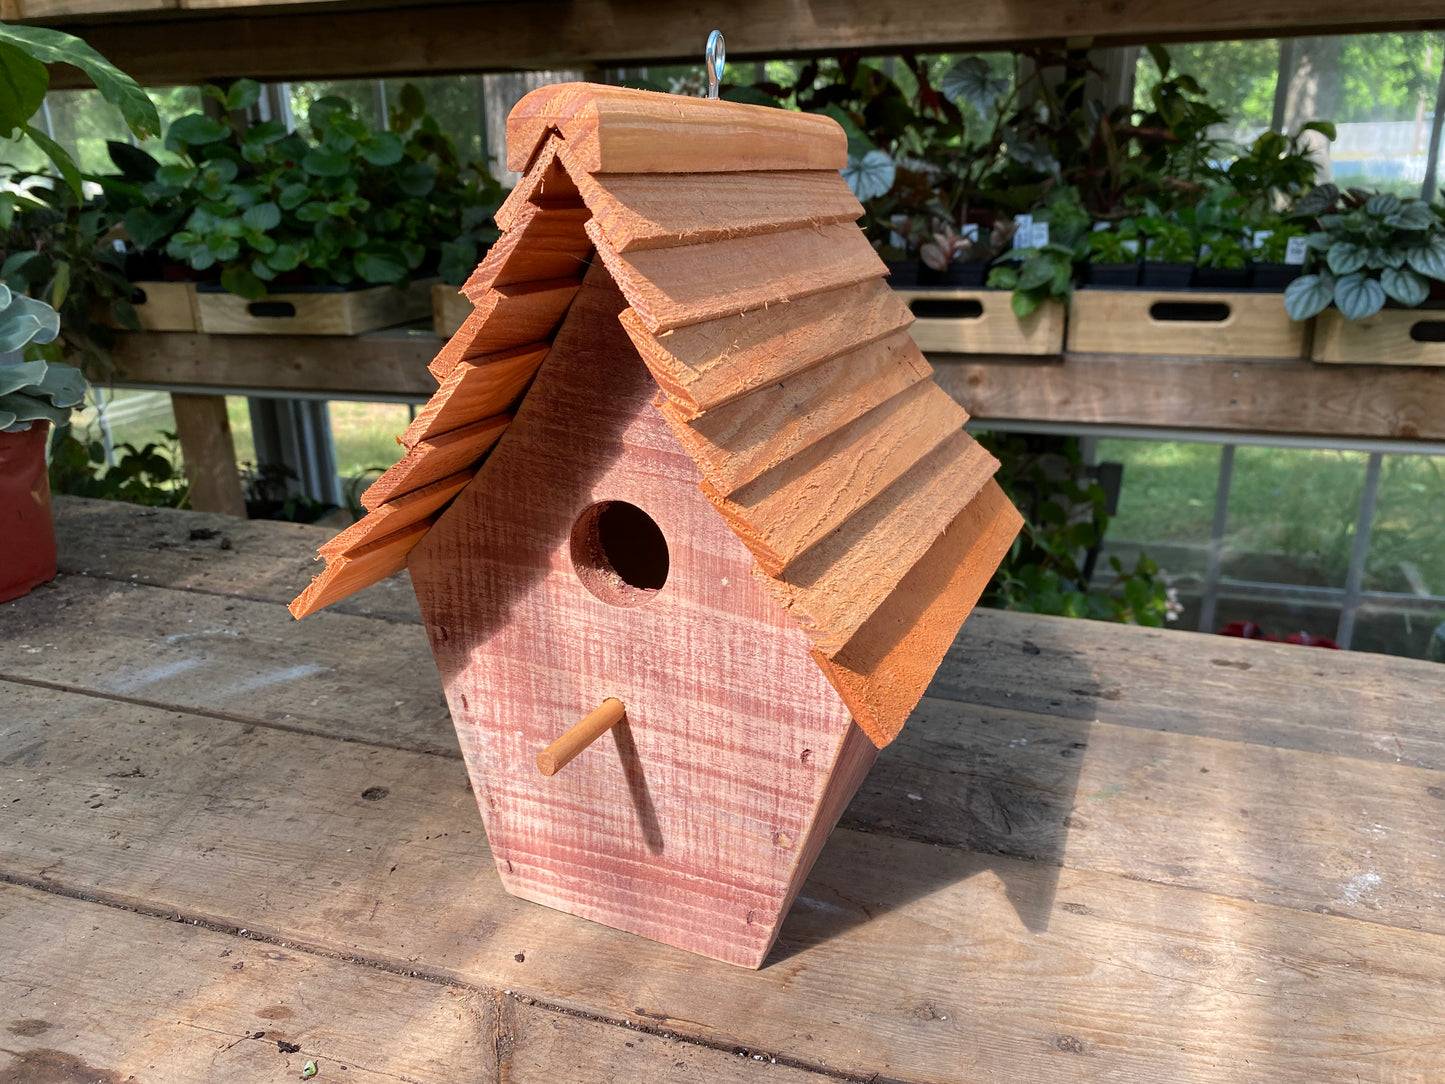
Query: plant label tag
1294	251
1259	237
1023	231
969	231
1040	234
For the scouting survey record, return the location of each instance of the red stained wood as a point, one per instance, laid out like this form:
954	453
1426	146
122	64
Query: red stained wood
506	318
543	243
693	823
619	130
432	460
396	514
476	390
883	670
702	366
670	288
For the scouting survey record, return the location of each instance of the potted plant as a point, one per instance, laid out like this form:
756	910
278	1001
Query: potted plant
1171	250
33	394
1112	254
1277	255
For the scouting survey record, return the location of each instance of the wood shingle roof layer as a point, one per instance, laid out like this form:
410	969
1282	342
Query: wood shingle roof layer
782	360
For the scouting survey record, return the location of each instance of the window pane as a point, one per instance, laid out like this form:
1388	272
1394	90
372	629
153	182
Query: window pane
1166	504
1407	541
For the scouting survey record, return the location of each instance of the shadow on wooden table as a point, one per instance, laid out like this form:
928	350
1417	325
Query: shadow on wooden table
968	775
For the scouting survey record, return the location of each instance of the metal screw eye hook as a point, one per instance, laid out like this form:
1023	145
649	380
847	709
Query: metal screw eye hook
717	55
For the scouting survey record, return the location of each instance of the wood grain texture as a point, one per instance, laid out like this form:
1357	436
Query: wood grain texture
814	492
738	441
506	318
162	306
887	665
705	365
396	514
546	180
543	243
347	573
334	40
670	288
637	211
1382	339
1210	394
204	431
432	460
996	330
449	310
834	587
1120	321
688	827
476	390
619	130
343	312
1148	981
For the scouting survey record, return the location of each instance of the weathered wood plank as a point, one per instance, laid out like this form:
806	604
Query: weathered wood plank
105	994
1347	703
334	673
1124	321
901	959
204	432
608	129
196	551
329	40
1202	393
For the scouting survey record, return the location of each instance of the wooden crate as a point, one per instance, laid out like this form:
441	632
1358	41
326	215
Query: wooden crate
983	324
344	312
1186	323
166	306
1387	338
449	309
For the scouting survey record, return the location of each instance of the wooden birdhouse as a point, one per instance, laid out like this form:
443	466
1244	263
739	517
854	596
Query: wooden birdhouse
723	514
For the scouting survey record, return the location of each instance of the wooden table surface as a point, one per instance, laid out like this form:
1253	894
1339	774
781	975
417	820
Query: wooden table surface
1096	853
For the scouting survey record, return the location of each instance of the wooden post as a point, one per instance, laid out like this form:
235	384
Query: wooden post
593	725
210	454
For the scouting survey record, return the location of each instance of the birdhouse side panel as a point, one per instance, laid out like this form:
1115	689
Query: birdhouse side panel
689	822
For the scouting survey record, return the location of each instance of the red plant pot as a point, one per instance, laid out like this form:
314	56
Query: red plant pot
27	533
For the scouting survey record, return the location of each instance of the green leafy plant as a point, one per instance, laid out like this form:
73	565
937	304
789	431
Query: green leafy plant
31	388
1043	272
1119	244
1276	168
349	204
150	475
1045	570
1168	239
1274	247
1376	247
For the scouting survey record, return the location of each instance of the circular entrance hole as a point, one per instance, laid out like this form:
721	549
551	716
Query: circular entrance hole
619	553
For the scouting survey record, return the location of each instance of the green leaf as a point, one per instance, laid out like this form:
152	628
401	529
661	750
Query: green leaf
23	82
858	142
312	212
870	176
223	248
25	320
22	375
293	196
241	281
417	179
972	81
1406	287
263	216
1024	302
194	130
1412	215
244	93
60	285
261	270
1345	257
1324	127
266	132
321	163
125	315
1309	295
1358	297
174	175
384	149
134	164
1035	272
1383	204
1003	278
120	90
376	267
69	171
458	260
146	227
411	101
1161	59
1429	258
286	258
751	96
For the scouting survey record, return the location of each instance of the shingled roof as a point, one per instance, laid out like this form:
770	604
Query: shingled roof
783	361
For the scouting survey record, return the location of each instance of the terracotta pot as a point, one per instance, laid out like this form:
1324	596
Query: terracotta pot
27	533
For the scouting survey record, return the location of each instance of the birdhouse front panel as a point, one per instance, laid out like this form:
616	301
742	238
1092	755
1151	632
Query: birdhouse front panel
583	563
733	389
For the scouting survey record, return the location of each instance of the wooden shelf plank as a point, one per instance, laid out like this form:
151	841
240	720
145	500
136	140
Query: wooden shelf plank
1364	402
273	41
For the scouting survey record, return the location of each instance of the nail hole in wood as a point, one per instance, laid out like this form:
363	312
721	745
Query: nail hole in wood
619	553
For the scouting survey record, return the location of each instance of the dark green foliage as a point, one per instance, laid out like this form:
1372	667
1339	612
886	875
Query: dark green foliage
150	475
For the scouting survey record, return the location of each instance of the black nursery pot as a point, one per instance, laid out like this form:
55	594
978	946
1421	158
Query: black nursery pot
967	274
1166	276
1113	274
903	273
1221	278
1275	276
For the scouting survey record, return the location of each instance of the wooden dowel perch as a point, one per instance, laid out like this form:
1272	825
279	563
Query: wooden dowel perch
593	725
